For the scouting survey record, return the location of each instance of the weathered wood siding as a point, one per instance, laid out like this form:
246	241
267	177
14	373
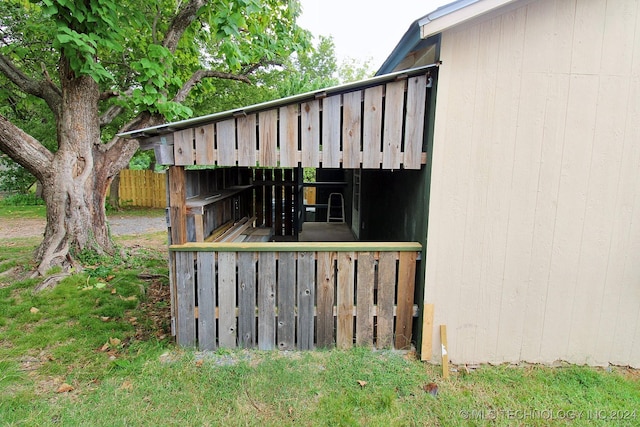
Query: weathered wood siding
534	217
339	130
294	295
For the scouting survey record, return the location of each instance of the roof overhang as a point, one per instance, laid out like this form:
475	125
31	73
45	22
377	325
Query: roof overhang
456	13
295	99
378	123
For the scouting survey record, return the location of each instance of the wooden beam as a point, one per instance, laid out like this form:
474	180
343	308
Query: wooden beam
177	205
427	332
445	355
297	246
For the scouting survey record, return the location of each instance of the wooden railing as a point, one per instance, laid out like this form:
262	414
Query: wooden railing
294	295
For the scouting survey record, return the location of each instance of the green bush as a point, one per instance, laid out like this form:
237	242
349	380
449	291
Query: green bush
21	200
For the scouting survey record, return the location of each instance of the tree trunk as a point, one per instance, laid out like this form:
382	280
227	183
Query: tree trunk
74	185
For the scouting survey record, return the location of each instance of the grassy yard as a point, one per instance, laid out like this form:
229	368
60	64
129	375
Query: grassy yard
96	351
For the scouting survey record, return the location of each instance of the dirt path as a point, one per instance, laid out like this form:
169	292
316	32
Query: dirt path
120	225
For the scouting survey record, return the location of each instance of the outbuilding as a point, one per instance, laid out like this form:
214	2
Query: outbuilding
490	178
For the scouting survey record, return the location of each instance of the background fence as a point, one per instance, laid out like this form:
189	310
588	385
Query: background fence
143	188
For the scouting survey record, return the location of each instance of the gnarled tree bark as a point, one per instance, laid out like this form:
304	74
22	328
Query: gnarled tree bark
76	178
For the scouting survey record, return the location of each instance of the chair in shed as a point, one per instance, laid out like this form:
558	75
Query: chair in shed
335	208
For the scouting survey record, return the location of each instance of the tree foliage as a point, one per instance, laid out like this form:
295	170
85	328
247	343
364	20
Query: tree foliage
74	74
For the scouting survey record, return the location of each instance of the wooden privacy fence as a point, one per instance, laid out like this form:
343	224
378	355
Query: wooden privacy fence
294	295
143	188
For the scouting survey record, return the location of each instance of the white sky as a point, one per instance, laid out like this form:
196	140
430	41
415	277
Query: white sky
364	29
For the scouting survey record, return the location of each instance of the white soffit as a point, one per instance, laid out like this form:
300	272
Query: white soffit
456	13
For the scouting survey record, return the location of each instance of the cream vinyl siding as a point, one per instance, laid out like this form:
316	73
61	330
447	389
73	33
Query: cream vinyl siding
533	249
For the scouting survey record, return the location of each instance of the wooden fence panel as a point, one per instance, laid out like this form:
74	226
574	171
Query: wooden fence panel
288	135
286	301
352	287
268	137
326	298
207	298
406	285
186	300
226	139
247	299
331	154
266	300
247	140
372	129
386	296
414	122
306	299
310	112
364	299
392	136
227	299
205	145
344	333
351	124
183	147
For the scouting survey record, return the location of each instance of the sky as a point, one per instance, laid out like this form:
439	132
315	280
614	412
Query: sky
364	29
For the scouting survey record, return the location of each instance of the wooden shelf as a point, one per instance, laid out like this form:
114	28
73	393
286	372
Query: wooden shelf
195	205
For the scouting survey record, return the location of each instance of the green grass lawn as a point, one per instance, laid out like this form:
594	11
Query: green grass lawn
96	351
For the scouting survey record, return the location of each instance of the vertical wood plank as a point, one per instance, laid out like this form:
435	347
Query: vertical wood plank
177	207
268	138
288	135
427	333
310	133
404	311
372	127
345	293
277	197
445	351
206	301
288	202
331	154
199	227
351	133
414	122
306	299
247	140
392	135
173	292
247	300
326	298
205	154
364	299
259	196
226	136
185	296
286	300
183	147
266	300
227	329
268	198
386	295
